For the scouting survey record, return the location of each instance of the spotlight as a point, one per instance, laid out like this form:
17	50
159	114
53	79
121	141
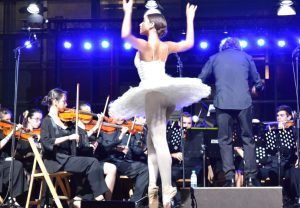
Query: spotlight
27	44
67	45
87	45
281	43
127	46
261	42
33	8
286	8
243	43
203	45
298	40
105	44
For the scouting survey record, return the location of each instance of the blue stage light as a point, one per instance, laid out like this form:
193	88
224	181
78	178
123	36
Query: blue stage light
203	45
281	43
127	46
105	44
87	45
261	42
27	44
67	45
243	43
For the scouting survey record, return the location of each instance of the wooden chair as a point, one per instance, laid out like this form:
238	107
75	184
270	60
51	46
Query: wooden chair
60	179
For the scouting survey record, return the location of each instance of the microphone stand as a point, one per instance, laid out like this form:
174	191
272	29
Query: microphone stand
179	70
17	52
296	54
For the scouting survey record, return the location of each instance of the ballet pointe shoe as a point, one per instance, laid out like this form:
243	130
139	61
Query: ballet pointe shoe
153	196
168	193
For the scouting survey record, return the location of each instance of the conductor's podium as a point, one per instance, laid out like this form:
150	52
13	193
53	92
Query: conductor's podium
232	197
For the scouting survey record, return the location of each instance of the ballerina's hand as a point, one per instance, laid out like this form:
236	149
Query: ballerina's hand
190	11
127	6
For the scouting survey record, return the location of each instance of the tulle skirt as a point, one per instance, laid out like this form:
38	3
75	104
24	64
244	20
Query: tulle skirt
181	92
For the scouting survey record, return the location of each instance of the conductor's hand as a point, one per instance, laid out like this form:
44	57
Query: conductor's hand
190	11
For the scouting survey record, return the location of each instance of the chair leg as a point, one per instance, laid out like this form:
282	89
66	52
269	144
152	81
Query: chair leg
30	184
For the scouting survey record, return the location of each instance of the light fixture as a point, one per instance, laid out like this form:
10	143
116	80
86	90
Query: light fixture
261	42
33	8
203	44
243	43
127	46
286	8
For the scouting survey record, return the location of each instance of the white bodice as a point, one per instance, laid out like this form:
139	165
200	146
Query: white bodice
149	70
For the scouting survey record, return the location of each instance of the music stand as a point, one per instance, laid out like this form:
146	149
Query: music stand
278	140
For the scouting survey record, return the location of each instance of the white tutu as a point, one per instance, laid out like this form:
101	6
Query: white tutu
181	92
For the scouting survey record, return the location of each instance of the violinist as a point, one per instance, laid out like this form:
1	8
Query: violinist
110	170
19	183
31	124
138	145
59	142
284	116
115	150
270	168
292	175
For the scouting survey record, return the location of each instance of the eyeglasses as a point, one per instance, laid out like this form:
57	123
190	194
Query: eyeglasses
37	119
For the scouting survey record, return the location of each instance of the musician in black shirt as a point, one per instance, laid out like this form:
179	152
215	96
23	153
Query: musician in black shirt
59	142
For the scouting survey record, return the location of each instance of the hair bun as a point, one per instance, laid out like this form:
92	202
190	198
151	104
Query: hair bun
45	100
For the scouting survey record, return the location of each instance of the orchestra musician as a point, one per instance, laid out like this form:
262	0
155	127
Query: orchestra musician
19	182
113	148
110	170
59	143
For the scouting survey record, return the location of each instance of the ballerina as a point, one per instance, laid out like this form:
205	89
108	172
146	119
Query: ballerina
158	94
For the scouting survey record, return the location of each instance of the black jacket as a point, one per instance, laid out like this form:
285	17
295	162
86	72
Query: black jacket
234	72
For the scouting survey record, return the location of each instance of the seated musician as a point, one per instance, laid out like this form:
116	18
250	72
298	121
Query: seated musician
113	148
138	146
191	163
59	142
292	173
19	182
271	168
110	170
31	122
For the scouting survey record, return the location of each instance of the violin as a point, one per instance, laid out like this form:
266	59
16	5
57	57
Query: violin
23	134
109	125
275	124
70	115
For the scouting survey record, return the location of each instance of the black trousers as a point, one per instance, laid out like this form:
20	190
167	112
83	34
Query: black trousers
19	182
293	182
137	171
90	168
225	120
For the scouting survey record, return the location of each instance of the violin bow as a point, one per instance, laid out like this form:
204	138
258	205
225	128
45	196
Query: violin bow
106	103
77	110
132	126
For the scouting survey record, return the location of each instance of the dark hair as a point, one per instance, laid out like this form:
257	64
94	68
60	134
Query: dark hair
54	94
186	115
82	104
4	111
160	23
285	108
230	43
28	114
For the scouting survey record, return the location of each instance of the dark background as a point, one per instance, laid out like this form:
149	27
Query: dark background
103	72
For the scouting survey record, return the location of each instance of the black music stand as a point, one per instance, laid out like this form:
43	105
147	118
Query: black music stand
280	142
